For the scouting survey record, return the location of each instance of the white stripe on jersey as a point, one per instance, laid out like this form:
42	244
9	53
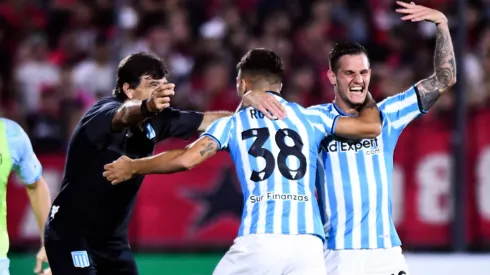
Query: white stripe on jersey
247	219
400	104
306	151
371	182
356	199
339	195
386	219
404	120
277	219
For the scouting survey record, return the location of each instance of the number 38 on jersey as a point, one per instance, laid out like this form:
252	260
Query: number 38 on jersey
282	148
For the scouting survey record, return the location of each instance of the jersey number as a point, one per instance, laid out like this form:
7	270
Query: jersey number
257	150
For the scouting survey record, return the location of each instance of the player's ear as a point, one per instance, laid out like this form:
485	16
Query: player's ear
244	86
332	77
128	91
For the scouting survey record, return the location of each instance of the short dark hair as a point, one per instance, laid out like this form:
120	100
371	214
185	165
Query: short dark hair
264	63
133	67
344	48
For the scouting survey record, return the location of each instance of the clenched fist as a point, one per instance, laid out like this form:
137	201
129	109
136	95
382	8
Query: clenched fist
160	97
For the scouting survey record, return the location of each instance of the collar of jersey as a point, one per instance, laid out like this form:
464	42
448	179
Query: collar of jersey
274	93
340	111
278	95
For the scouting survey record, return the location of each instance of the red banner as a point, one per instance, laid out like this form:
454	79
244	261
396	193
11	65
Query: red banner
202	207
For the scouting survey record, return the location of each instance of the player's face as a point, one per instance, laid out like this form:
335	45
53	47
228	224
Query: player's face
146	86
351	81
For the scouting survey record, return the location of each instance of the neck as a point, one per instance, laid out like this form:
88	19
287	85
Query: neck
345	107
268	88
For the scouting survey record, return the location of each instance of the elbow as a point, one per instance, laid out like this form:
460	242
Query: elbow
374	130
185	164
453	81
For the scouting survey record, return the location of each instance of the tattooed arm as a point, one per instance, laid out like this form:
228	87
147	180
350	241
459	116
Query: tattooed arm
164	163
444	76
431	88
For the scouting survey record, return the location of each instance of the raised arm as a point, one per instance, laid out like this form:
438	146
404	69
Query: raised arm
444	76
133	112
164	163
366	125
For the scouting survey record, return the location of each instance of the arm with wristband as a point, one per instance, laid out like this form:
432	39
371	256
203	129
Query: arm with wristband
133	112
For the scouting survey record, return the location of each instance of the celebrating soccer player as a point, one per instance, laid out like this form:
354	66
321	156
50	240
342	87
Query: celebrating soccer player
281	230
355	198
86	232
16	154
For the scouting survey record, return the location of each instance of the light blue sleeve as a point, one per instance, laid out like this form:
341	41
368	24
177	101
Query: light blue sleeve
24	161
399	110
220	131
322	119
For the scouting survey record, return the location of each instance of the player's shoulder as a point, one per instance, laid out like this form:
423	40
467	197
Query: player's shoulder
325	107
13	129
109	102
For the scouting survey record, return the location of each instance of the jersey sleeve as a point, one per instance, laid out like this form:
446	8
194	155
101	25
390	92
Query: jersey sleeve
176	123
220	131
24	161
98	122
401	109
323	120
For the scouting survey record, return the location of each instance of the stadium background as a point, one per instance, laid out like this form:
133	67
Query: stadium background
58	56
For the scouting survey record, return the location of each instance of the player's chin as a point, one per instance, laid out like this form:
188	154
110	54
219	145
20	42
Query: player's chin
357	98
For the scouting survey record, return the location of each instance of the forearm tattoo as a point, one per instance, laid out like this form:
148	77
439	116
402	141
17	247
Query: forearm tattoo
444	76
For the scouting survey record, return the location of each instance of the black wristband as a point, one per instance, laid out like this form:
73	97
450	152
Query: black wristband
144	109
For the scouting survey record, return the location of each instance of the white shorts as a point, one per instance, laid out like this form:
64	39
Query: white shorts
262	254
386	261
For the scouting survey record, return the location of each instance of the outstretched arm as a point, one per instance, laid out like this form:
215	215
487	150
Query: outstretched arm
210	117
366	125
444	76
164	163
134	112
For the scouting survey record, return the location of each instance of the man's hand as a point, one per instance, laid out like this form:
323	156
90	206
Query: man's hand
119	170
266	103
416	13
160	97
40	259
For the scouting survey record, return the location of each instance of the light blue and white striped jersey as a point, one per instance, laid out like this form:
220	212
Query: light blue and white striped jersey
276	163
354	188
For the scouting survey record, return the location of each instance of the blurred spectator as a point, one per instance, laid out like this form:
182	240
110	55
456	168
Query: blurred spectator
34	71
96	74
44	125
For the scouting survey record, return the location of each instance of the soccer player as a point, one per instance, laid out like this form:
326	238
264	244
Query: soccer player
355	198
281	230
87	229
16	154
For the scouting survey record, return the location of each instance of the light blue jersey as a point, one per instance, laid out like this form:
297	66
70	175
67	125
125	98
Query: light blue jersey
355	185
24	161
276	163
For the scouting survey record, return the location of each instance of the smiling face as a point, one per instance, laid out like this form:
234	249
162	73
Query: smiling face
351	80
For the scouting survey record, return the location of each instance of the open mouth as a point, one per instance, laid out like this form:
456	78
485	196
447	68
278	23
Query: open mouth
356	89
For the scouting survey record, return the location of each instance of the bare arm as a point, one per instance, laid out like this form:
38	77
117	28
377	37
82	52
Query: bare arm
133	112
431	88
210	117
164	163
129	114
444	76
366	125
40	200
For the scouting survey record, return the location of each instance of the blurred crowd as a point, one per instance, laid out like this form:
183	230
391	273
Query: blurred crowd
59	56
